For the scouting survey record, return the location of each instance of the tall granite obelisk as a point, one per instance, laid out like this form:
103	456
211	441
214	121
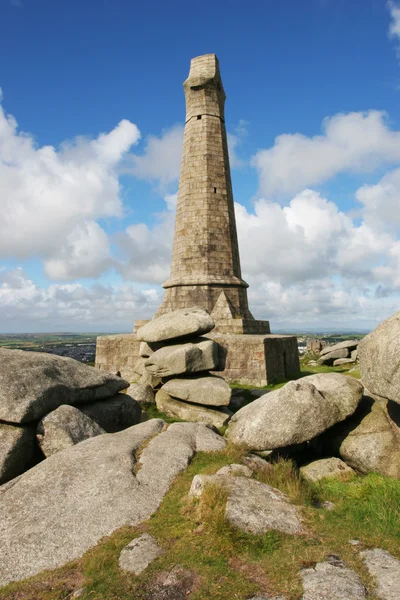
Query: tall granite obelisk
205	267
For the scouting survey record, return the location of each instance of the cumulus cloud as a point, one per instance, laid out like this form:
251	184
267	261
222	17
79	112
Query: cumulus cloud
146	251
381	202
72	306
356	142
160	162
51	197
394	27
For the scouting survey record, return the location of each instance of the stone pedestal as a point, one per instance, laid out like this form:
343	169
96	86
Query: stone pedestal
244	359
257	359
117	354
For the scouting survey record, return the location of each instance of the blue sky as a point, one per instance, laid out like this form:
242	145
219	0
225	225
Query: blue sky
90	139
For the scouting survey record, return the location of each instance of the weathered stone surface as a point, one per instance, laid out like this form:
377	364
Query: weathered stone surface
183	358
256	359
191	412
206	390
367	441
235	469
118	354
18	450
139	553
252	506
348	344
379	358
325	467
385	569
295	413
65	427
329	357
141	393
74	498
332	580
354	354
175	324
114	414
342	361
33	384
149	379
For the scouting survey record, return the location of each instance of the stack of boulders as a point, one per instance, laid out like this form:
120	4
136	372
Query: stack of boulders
174	368
39	396
342	353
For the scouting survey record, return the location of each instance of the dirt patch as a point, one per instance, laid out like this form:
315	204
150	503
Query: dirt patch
176	584
253	573
53	586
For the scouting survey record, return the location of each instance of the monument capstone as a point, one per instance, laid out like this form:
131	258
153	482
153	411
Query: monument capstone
205	268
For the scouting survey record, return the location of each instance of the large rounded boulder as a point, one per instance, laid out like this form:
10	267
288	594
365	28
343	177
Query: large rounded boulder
296	413
379	355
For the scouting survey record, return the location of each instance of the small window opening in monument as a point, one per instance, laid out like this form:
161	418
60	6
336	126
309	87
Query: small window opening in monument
198	117
215	190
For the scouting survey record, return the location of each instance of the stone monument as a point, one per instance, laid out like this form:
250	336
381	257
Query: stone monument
205	268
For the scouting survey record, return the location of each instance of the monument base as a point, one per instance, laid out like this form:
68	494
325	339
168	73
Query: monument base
245	359
257	359
117	354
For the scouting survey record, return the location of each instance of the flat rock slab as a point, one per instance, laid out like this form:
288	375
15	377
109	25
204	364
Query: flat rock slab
347	344
65	427
296	413
325	467
386	571
18	450
33	384
332	580
62	507
175	324
252	506
139	553
208	390
178	359
194	413
329	357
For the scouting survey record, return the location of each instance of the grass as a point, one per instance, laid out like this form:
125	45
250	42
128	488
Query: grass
226	563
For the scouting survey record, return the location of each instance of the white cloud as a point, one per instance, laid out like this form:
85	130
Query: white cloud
49	197
234	141
381	202
161	160
28	307
394	27
356	142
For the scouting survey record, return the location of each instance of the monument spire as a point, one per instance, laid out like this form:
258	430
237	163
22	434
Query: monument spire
205	267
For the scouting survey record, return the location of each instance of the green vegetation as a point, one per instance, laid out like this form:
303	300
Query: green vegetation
39	341
225	563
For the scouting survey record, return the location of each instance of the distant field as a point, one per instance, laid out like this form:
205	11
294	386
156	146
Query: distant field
32	341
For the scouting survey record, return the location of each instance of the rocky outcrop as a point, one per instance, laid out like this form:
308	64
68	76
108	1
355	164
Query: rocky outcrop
252	506
75	497
191	412
368	441
325	467
175	324
65	427
18	450
178	359
32	384
330	355
296	413
379	358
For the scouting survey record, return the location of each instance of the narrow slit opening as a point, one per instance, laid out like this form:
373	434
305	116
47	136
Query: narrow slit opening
215	190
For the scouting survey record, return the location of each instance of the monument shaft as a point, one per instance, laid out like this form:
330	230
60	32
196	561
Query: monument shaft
205	267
